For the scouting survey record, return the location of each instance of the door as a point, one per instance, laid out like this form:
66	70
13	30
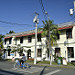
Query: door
29	54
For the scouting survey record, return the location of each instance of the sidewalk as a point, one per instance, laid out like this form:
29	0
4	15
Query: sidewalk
53	65
59	66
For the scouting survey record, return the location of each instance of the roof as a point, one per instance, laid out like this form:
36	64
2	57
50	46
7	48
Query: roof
32	32
65	27
21	34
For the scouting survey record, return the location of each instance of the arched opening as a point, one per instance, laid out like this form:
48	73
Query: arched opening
29	54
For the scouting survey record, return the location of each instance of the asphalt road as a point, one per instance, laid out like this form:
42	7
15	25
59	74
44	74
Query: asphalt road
7	68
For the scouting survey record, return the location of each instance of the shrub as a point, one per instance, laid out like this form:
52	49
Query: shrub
0	55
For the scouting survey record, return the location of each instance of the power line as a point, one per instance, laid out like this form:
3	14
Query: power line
70	20
12	23
43	9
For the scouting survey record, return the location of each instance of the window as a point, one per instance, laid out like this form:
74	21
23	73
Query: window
10	40
5	41
58	37
69	33
21	39
29	53
29	38
9	52
57	52
39	53
15	41
70	52
39	37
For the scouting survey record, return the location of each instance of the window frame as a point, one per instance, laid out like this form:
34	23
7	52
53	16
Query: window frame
5	41
21	39
70	52
39	54
10	40
29	39
69	33
39	37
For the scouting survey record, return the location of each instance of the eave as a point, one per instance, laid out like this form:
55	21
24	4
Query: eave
65	27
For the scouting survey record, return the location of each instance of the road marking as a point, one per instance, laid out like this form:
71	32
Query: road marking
50	73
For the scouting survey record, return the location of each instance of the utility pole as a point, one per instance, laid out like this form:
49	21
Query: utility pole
36	21
50	51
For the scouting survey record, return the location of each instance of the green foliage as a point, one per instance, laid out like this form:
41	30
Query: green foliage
53	29
10	32
1	41
43	62
0	55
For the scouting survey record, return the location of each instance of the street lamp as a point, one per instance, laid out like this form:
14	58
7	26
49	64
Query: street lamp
36	21
72	10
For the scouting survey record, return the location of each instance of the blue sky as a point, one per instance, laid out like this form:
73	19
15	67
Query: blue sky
22	12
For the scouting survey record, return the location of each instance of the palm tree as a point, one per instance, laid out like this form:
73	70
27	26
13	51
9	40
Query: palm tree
53	36
53	30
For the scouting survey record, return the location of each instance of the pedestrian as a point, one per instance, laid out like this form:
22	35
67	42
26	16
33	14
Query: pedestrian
13	59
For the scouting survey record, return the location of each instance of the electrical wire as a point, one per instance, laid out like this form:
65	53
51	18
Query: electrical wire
43	9
12	23
67	21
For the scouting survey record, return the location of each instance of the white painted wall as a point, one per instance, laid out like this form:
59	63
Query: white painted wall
42	45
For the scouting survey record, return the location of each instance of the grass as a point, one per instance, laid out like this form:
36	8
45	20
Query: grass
30	61
41	62
48	62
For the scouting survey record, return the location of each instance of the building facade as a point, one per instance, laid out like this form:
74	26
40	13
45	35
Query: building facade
26	40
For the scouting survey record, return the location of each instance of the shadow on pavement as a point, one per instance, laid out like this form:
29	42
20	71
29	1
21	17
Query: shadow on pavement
43	70
4	72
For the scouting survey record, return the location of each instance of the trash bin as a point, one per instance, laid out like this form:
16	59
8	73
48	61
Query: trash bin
59	61
64	61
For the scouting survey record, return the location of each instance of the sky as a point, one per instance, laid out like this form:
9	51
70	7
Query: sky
23	12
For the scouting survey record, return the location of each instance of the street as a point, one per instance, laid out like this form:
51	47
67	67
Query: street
7	68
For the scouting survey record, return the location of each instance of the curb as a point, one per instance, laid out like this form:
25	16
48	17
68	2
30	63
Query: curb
59	66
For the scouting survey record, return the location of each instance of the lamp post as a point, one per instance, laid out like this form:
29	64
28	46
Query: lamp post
72	10
36	21
50	51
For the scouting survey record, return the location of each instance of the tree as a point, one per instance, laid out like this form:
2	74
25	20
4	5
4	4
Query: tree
1	44
53	36
17	48
10	32
1	41
53	30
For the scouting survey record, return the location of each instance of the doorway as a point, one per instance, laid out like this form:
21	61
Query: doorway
29	54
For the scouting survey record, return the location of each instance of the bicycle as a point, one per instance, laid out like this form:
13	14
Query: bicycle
24	65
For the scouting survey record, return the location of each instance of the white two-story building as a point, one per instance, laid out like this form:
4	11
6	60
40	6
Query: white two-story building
27	41
65	44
